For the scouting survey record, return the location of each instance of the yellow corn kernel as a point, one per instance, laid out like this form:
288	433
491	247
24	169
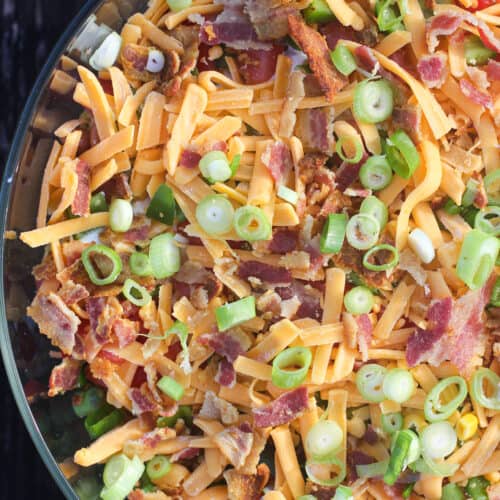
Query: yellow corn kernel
493	477
414	420
467	426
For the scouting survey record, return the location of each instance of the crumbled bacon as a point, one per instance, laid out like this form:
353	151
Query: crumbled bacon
72	293
366	58
283	241
46	270
102	312
135	59
142	401
493	70
246	486
226	374
264	272
277	159
226	344
433	69
81	202
409	118
268	18
64	377
125	331
310	305
348	173
364	334
189	159
454	331
258	65
470	91
55	320
282	410
314	128
235	444
185	454
215	408
117	187
318	54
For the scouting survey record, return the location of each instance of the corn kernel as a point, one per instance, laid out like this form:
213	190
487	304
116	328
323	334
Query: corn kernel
414	420
467	426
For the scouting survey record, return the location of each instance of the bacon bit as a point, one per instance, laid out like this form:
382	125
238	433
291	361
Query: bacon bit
268	18
55	320
258	66
110	356
142	402
216	408
310	305
102	312
335	31
315	129
405	58
493	70
135	59
366	58
277	159
125	331
409	118
139	377
189	159
72	293
46	270
72	251
117	187
348	173
64	377
204	63
33	390
246	486
193	273
316	49
284	241
81	203
138	234
453	332
433	69
481	98
481	198
234	444
478	77
282	410
224	344
264	272
226	374
364	334
186	454
370	435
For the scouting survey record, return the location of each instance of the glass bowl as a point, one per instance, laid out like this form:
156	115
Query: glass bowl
51	423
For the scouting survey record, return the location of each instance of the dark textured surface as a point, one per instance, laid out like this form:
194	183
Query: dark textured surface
28	30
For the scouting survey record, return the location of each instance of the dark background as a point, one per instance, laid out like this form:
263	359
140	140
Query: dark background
28	31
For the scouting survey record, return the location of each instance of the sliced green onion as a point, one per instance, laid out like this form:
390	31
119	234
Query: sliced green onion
89	401
376	469
235	313
318	12
381	267
470	194
184	412
421	244
376	173
215	214
324	440
408	490
87	488
477	258
288	194
358	300
438	440
121	215
362	231
235	164
282	375
111	256
495	294
371	205
369	381
343	493
164	256
358	154
398	457
333	233
114	468
107	53
450	207
469	214
180	329
402	154
158	466
98	203
178	5
343	60
414	450
252	224
170	387
492	187
426	465
434	410
387	17
399	385
391	423
103	420
215	167
140	265
373	101
135	293
476	54
452	492
476	488
327	482
488	220
162	206
481	376
126	475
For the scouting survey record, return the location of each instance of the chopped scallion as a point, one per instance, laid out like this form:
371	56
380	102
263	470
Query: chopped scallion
252	224
402	154
164	256
162	206
343	60
121	215
170	387
376	173
215	214
290	367
369	381
399	385
110	255
373	206
362	231
215	167
358	300
484	376
333	233
158	467
235	313
373	101
435	410
135	293
381	267
140	265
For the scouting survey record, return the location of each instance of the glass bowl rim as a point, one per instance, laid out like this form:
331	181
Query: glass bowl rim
16	148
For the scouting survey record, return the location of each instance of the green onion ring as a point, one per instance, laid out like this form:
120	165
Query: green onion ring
131	289
433	409
402	154
293	356
477	389
362	231
391	423
369	381
357	144
381	267
488	226
111	255
327	482
333	233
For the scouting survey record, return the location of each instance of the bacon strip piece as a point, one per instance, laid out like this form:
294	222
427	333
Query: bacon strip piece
235	444
316	49
454	330
284	241
216	408
433	69
125	331
226	344
277	159
365	333
72	292
81	203
55	320
264	272
282	410
493	70
226	374
246	486
409	118
470	91
258	66
315	129
64	377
